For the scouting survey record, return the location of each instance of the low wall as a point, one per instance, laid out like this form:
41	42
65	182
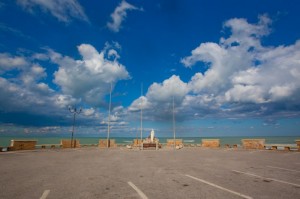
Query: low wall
67	144
103	143
170	142
253	143
22	144
212	143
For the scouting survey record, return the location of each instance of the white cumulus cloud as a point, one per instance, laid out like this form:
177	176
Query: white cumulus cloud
241	69
9	62
119	15
89	78
240	77
169	88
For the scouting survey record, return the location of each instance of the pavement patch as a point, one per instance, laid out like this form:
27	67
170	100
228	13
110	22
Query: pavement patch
283	169
266	179
219	187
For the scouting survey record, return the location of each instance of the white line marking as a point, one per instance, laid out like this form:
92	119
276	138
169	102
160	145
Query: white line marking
142	195
45	194
283	169
222	188
272	179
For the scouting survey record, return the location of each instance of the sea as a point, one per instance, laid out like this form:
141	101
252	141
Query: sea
6	140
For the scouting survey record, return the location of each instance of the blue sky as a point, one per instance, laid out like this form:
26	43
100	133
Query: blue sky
232	67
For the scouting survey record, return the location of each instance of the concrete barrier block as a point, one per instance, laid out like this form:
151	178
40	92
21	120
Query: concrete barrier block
137	142
170	142
103	143
211	143
23	144
67	144
253	143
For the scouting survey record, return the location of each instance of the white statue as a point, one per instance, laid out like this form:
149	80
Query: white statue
152	135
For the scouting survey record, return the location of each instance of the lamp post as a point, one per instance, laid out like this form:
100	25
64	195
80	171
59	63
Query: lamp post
74	111
108	123
142	116
174	127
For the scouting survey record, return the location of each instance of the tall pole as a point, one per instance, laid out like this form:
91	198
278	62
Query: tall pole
109	108
141	114
73	129
174	130
74	111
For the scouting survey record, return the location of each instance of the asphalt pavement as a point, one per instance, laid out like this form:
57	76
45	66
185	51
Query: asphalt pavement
123	173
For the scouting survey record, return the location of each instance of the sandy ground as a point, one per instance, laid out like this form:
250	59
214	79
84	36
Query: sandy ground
167	173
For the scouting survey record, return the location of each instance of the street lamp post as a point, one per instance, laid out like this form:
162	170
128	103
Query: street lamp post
108	123
74	111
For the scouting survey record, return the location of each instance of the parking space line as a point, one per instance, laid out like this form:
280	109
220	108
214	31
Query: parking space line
142	195
283	169
219	187
45	194
272	179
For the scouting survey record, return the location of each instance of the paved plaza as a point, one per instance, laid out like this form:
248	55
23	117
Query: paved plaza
166	173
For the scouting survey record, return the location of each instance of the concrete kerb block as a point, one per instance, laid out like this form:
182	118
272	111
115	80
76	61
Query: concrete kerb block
287	148
298	144
274	148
